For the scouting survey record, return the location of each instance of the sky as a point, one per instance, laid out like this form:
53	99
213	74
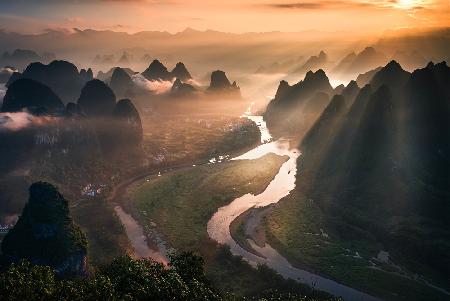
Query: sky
34	16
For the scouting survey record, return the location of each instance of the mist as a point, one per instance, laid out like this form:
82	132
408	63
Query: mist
154	86
20	120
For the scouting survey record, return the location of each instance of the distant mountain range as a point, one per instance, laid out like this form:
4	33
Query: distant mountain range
20	58
249	50
356	63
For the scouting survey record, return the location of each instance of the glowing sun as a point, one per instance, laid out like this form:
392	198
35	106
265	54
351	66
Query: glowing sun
407	4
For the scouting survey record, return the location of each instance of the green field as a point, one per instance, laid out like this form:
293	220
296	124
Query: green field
180	204
294	229
106	235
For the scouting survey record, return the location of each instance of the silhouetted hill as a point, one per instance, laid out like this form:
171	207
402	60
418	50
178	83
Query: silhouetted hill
157	71
46	235
20	54
20	58
73	110
219	81
31	95
61	76
124	60
286	113
106	76
379	171
181	72
181	89
325	124
15	76
317	103
313	63
105	59
97	99
130	125
281	67
5	74
86	75
410	60
354	64
350	92
427	129
345	62
391	75
220	84
365	78
121	83
339	89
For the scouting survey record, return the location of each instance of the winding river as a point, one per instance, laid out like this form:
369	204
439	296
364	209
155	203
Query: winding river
219	225
282	184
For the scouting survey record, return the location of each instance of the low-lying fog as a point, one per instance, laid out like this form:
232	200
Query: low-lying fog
2	92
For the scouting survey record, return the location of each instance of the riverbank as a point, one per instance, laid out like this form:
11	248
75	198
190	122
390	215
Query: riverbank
298	230
178	205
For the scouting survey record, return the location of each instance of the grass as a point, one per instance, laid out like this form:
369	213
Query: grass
294	229
105	234
182	202
191	138
179	138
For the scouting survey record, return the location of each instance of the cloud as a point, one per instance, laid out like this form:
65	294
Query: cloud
155	86
329	4
2	94
20	120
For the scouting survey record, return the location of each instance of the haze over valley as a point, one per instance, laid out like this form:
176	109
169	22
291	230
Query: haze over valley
170	150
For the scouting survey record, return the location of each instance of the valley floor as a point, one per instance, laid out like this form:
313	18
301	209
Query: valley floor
177	206
296	228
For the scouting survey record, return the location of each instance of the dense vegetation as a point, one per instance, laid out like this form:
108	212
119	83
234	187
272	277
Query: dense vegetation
373	176
179	204
124	279
46	236
45	233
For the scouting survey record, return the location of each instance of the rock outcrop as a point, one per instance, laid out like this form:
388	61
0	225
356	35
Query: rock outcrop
220	84
97	99
181	89
294	107
381	166
157	71
86	75
46	235
180	72
365	78
315	62
106	76
350	92
354	64
391	75
73	110
61	76
121	83
130	125
33	96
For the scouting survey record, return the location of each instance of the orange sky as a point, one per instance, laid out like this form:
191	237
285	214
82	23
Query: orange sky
231	16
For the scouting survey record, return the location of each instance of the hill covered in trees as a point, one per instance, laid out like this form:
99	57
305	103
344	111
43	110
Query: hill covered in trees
37	264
